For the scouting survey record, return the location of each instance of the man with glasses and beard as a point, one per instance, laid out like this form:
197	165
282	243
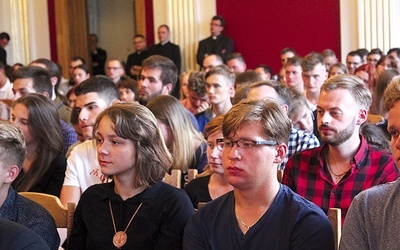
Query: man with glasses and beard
331	175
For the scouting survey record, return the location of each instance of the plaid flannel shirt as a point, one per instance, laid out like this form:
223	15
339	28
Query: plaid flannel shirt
306	173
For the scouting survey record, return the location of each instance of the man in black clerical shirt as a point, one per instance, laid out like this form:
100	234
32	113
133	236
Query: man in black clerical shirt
134	61
217	43
167	49
98	56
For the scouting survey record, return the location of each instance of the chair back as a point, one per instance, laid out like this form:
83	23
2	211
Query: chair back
62	216
192	173
174	178
335	217
280	175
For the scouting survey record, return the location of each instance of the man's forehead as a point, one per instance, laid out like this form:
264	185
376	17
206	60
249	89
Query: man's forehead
20	83
262	92
151	72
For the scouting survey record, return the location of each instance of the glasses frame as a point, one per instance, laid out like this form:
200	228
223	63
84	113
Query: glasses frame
256	143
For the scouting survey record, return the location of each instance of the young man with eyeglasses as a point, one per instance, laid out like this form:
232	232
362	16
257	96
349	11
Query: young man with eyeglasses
259	212
217	43
331	175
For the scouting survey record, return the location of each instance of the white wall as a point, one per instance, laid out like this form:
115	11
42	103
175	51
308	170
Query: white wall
116	27
26	22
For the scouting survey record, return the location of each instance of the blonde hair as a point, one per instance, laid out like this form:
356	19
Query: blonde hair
170	111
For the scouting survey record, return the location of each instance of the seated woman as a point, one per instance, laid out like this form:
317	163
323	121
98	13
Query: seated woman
337	69
136	210
184	142
212	183
128	90
44	167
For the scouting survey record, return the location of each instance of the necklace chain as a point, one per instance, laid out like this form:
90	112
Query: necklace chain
338	177
130	221
245	225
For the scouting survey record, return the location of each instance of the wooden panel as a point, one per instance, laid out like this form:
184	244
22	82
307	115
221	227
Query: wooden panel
71	31
140	17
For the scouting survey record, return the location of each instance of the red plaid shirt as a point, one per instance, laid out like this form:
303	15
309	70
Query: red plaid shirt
306	173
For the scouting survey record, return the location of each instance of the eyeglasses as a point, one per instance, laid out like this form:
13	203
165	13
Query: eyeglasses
219	144
244	143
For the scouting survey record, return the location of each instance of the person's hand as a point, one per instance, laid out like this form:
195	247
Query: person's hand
203	106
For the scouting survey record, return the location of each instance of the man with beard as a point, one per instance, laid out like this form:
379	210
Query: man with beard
158	77
331	175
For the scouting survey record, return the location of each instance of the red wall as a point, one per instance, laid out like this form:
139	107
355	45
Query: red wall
261	28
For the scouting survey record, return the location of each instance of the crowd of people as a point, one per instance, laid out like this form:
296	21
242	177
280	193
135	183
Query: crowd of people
106	137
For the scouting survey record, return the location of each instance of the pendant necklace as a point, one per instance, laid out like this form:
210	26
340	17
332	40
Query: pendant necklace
120	237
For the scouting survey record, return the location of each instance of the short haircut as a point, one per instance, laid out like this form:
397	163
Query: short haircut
282	91
51	67
77	58
220	60
249	76
363	52
102	85
288	49
164	26
267	69
137	123
12	145
294	61
197	83
4	35
41	81
392	93
361	95
169	72
222	70
311	60
235	55
95	36
129	84
376	51
328	53
139	36
241	93
355	53
397	50
275	122
219	18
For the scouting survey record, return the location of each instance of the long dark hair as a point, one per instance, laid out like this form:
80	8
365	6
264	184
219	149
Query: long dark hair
44	125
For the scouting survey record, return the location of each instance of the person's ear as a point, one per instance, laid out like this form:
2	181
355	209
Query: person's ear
167	89
13	172
281	151
362	116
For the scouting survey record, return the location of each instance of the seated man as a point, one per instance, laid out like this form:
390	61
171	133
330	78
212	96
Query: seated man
83	170
259	212
331	175
197	100
211	61
236	63
373	218
14	207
